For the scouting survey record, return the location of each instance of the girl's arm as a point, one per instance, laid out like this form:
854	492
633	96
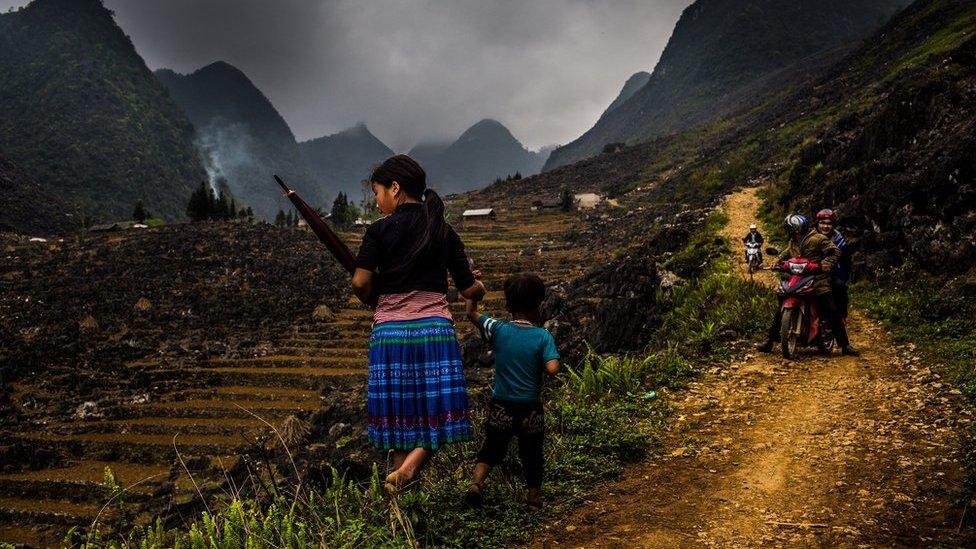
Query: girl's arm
362	285
474	292
552	366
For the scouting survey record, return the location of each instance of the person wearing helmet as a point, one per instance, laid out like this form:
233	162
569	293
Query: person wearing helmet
753	237
826	225
807	242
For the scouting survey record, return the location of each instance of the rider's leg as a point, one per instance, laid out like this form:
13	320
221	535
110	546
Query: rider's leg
773	335
841	298
827	309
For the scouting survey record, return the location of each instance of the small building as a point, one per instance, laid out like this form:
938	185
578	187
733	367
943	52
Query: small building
587	201
117	226
484	214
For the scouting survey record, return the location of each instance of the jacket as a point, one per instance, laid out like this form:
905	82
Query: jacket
756	237
818	248
842	272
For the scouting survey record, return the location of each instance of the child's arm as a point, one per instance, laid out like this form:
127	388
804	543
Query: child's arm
552	366
471	308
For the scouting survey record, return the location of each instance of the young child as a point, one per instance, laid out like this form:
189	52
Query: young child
522	352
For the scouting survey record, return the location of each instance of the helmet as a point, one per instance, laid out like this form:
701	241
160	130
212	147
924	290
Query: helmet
796	224
827	214
752	226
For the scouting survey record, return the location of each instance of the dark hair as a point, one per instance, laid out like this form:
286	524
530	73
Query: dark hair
524	292
413	180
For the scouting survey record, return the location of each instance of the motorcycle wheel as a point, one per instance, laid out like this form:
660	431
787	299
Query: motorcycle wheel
789	324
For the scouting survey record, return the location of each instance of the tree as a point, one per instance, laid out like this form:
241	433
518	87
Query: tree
280	219
343	213
201	205
368	203
289	220
567	202
140	214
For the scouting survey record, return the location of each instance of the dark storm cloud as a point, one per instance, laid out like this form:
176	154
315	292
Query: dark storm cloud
419	69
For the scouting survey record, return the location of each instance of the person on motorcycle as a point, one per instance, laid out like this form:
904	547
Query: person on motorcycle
753	237
826	225
810	244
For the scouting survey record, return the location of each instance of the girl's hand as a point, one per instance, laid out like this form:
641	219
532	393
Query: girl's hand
477	274
474	292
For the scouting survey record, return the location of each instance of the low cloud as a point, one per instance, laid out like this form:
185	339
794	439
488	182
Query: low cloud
415	70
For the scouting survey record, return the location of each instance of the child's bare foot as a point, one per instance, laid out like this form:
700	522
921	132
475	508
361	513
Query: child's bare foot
534	499
473	497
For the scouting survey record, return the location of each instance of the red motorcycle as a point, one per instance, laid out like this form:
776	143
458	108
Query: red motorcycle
800	323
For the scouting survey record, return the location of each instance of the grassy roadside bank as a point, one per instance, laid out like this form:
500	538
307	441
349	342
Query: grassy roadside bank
601	414
935	314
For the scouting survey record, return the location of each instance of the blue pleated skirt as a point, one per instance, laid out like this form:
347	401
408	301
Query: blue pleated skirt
417	394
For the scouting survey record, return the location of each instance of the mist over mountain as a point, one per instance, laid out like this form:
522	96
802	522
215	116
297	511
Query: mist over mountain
343	160
483	153
722	56
85	121
427	152
242	136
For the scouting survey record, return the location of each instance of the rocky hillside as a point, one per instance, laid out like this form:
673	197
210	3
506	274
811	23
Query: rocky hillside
21	199
483	153
186	292
84	119
900	166
724	55
343	160
242	135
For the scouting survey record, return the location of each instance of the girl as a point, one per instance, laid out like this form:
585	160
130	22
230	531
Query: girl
417	396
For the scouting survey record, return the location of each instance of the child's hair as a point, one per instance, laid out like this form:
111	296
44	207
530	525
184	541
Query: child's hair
524	292
413	180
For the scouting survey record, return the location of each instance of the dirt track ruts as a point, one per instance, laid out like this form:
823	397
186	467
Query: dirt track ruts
820	451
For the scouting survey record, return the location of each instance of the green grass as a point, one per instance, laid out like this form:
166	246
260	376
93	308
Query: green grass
945	40
934	313
600	416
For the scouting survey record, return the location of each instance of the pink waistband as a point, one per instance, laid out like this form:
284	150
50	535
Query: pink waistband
411	306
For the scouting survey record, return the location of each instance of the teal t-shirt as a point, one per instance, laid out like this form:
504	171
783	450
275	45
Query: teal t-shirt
521	353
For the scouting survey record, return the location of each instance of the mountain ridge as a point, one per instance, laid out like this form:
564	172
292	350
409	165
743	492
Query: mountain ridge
485	151
344	159
243	135
719	48
83	116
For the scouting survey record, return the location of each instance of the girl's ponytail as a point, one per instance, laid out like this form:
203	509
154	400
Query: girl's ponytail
436	230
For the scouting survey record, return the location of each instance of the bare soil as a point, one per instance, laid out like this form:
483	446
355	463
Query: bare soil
819	451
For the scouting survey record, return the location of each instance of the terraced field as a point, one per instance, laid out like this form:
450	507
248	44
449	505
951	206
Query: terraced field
148	441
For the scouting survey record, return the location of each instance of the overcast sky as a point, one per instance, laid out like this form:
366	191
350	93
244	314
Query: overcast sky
414	70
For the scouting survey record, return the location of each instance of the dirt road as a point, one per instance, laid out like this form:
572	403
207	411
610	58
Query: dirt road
820	451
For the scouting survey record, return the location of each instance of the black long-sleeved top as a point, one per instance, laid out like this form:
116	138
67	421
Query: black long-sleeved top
387	243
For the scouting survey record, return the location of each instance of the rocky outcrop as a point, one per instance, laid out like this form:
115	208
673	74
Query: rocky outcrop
901	172
614	307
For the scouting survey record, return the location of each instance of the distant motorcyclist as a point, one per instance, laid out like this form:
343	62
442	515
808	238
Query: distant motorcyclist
753	237
810	244
826	225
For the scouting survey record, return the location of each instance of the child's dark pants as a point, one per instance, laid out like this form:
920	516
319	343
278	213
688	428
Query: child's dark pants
522	420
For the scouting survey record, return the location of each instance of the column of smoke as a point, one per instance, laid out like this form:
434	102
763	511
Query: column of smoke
226	149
